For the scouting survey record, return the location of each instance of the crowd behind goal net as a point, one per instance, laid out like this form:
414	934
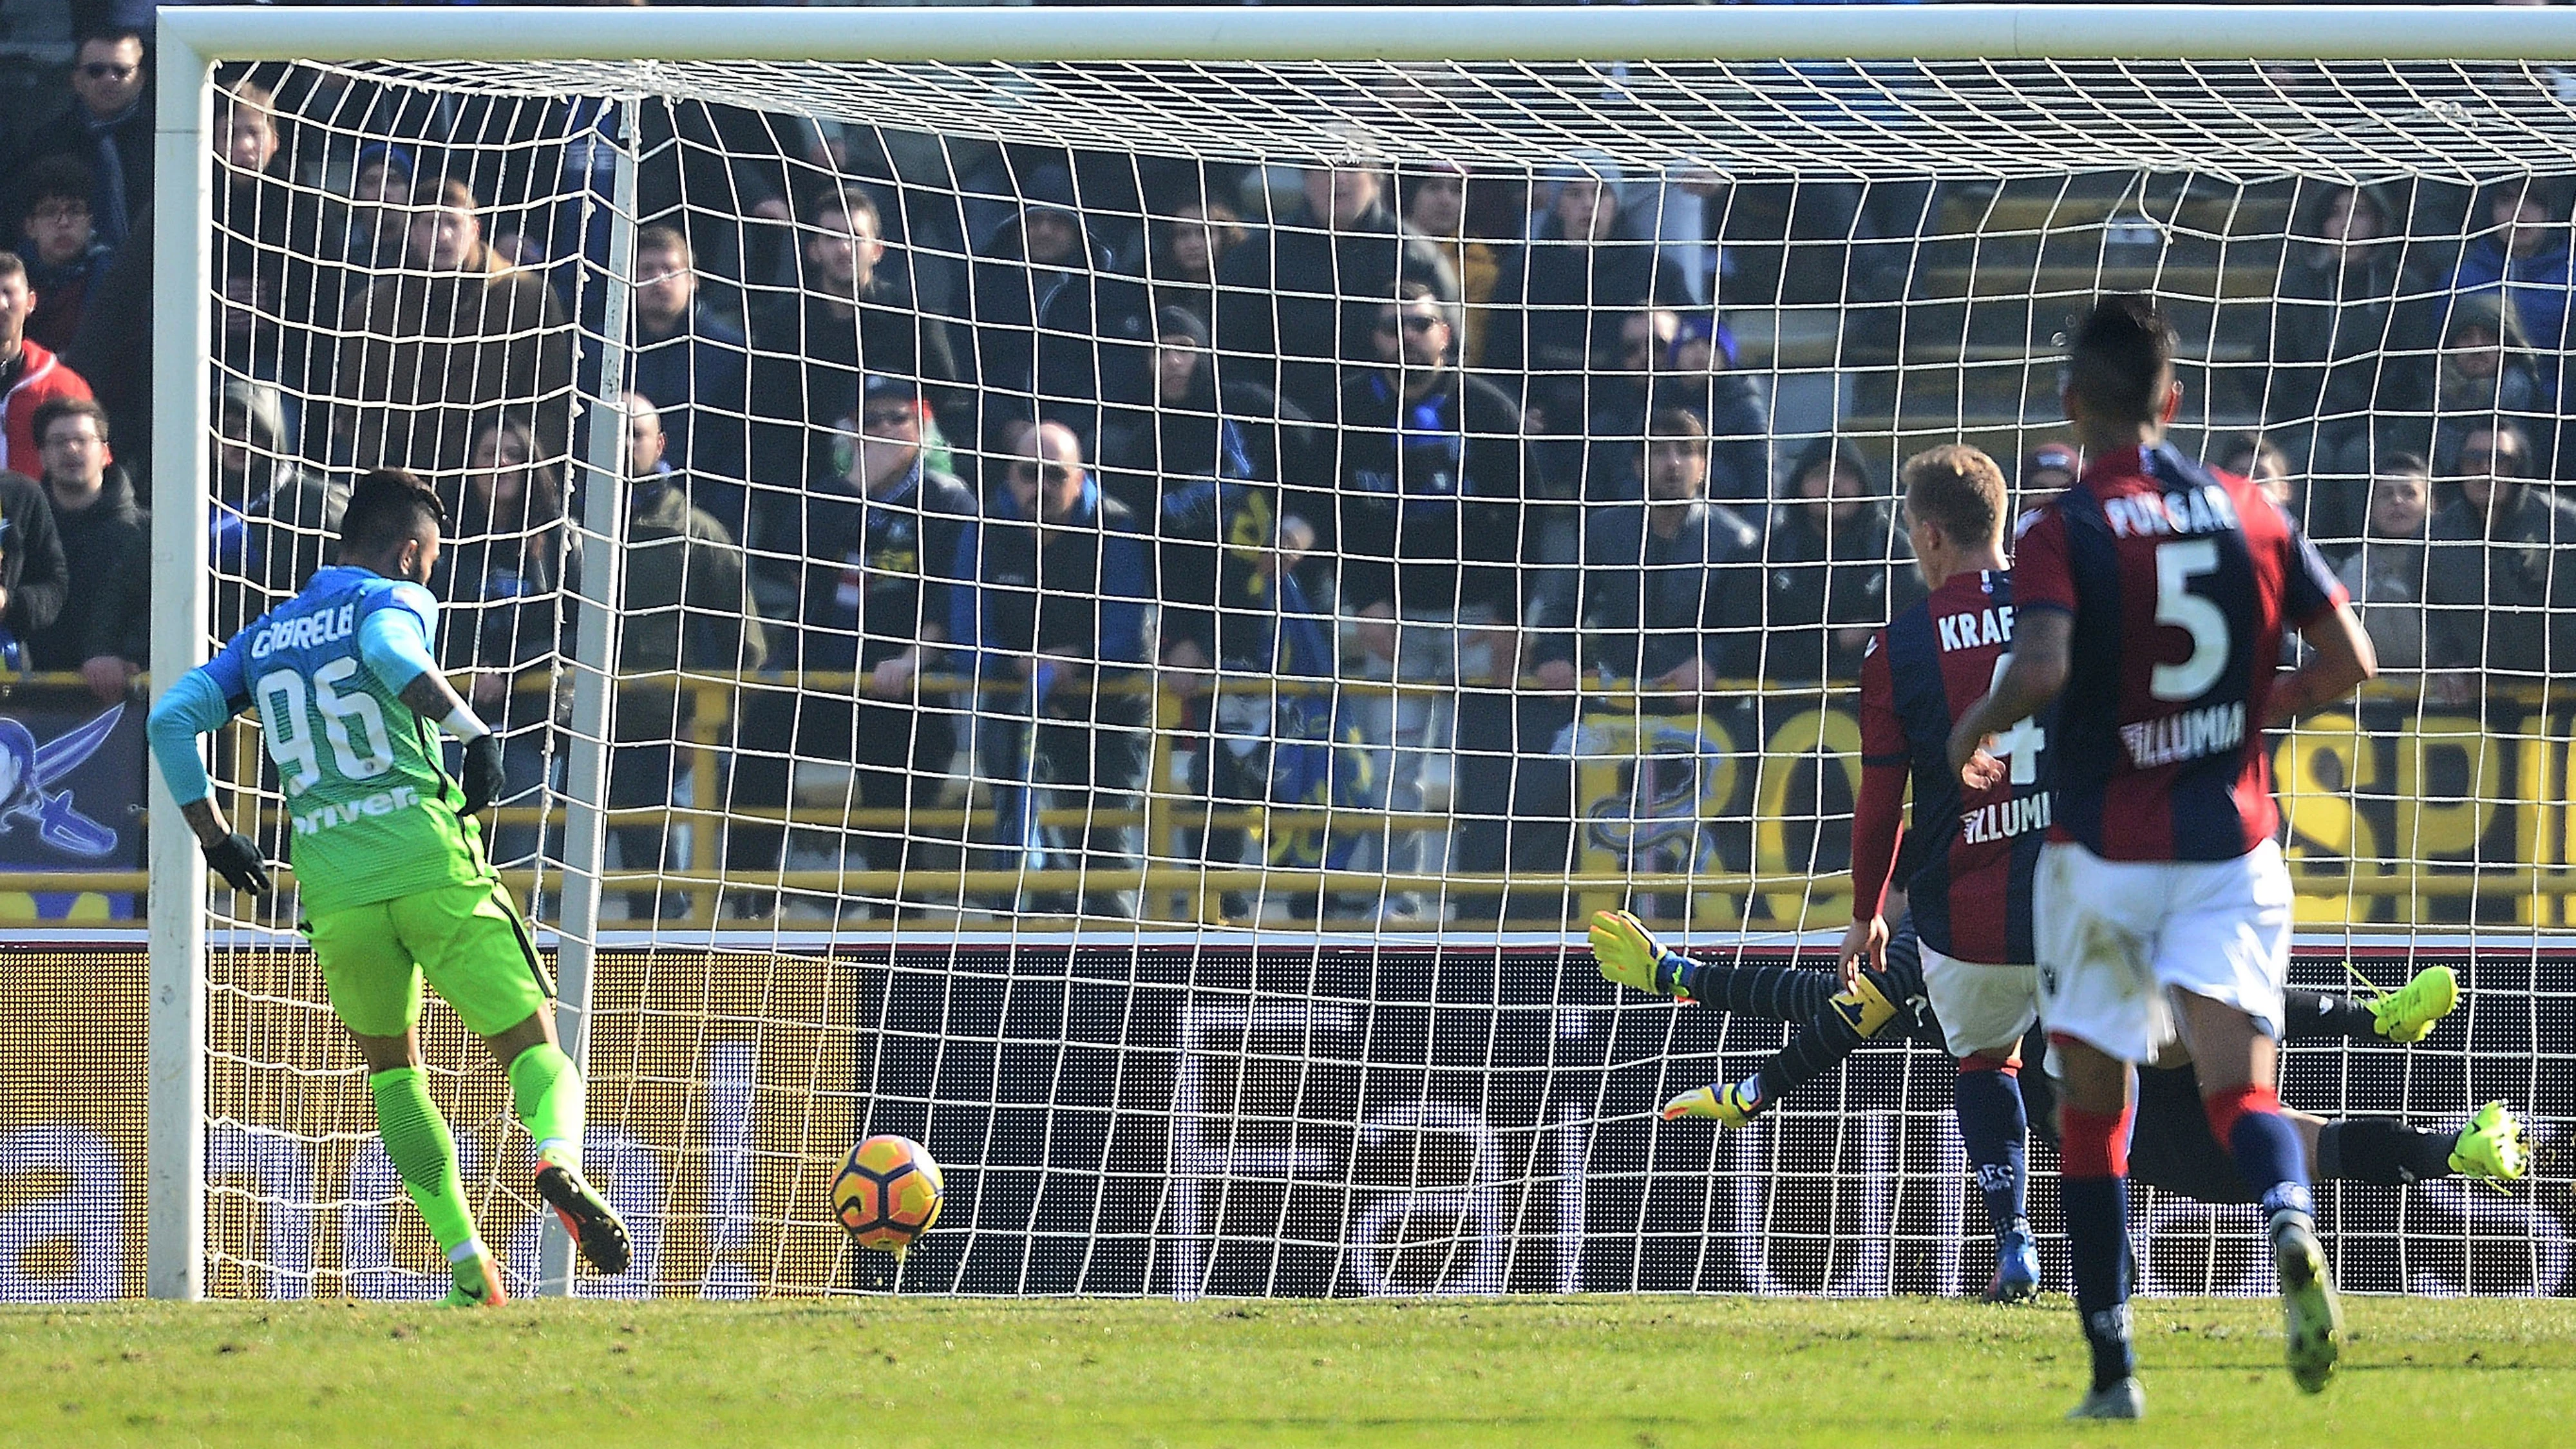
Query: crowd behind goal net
1146	604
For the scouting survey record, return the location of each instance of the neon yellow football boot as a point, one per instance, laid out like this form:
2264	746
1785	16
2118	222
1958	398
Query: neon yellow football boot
2491	1146
2408	1013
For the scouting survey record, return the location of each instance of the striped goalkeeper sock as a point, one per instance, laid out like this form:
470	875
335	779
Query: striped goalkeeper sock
424	1153
546	1088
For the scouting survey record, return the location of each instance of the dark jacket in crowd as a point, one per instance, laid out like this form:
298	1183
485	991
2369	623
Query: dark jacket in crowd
1068	333
1820	586
867	577
2336	325
1078	590
61	293
1551	293
809	359
1276	299
273	525
2503	598
32	571
698	377
118	152
502	577
1430	513
1237	430
686	605
1650	602
107	610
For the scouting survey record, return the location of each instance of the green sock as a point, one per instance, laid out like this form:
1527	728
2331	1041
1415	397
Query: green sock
547	1089
417	1140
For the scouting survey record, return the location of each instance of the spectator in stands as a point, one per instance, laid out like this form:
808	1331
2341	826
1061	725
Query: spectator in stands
1055	321
64	255
694	364
453	334
369	233
1183	246
2385	575
107	124
686	605
1199	430
30	375
1584	260
271	521
2486	372
849	317
2256	457
861	562
105	627
1661	361
1829	553
2520	249
1698	377
1055	621
1298	301
2336	324
1666	607
1428	524
502	576
2500	578
1435	211
33	575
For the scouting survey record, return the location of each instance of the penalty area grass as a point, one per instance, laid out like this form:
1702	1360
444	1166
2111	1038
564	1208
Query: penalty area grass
1591	1371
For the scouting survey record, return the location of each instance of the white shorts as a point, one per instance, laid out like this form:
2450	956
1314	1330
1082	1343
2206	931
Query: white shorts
2116	937
1982	1008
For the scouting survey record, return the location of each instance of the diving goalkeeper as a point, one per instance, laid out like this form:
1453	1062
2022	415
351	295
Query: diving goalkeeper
390	858
2174	1148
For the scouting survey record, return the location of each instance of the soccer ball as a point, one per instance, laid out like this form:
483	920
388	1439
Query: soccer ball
888	1193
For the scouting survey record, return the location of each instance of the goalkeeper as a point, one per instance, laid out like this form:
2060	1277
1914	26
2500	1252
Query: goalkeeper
2174	1149
390	858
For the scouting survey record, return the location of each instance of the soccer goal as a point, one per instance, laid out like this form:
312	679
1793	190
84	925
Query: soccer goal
1107	590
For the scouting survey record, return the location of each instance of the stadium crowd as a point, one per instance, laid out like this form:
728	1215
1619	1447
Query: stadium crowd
957	455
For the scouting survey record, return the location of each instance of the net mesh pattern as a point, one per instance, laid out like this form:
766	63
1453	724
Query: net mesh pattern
1185	1036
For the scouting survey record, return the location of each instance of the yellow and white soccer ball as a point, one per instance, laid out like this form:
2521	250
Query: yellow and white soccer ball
888	1193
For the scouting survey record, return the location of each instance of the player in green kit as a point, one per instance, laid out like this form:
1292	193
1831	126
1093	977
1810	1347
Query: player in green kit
389	857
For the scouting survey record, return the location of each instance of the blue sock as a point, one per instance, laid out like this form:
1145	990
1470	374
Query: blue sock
1993	1129
2268	1156
2097	1238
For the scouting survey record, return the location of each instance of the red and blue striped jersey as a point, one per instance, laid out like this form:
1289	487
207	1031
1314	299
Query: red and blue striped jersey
1970	891
2180	579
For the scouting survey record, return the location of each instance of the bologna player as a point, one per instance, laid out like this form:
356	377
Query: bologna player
2150	600
2172	1149
1975	847
389	857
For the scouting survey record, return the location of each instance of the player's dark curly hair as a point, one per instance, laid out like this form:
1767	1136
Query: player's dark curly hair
2122	351
388	506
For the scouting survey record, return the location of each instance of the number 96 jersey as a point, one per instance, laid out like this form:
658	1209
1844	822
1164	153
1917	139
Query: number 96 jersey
2181	580
375	815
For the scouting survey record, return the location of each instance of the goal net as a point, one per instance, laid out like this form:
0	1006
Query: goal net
1118	618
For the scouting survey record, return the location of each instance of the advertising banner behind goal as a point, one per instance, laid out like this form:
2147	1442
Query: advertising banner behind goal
1323	1121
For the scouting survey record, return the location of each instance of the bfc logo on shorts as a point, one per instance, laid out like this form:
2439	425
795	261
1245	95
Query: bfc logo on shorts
27	773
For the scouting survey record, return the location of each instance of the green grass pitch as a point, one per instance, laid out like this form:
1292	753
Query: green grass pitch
1590	1373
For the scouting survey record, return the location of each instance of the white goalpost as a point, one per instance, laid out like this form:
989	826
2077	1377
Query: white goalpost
1207	891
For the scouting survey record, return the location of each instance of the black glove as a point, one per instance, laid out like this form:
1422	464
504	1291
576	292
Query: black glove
238	861
482	772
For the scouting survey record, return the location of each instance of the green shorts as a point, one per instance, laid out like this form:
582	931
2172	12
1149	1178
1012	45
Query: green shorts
466	938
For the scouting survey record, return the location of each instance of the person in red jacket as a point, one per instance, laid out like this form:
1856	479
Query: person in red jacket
30	376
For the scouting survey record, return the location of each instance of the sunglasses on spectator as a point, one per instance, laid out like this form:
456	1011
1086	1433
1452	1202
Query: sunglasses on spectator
1045	473
887	417
108	70
2489	455
1411	322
